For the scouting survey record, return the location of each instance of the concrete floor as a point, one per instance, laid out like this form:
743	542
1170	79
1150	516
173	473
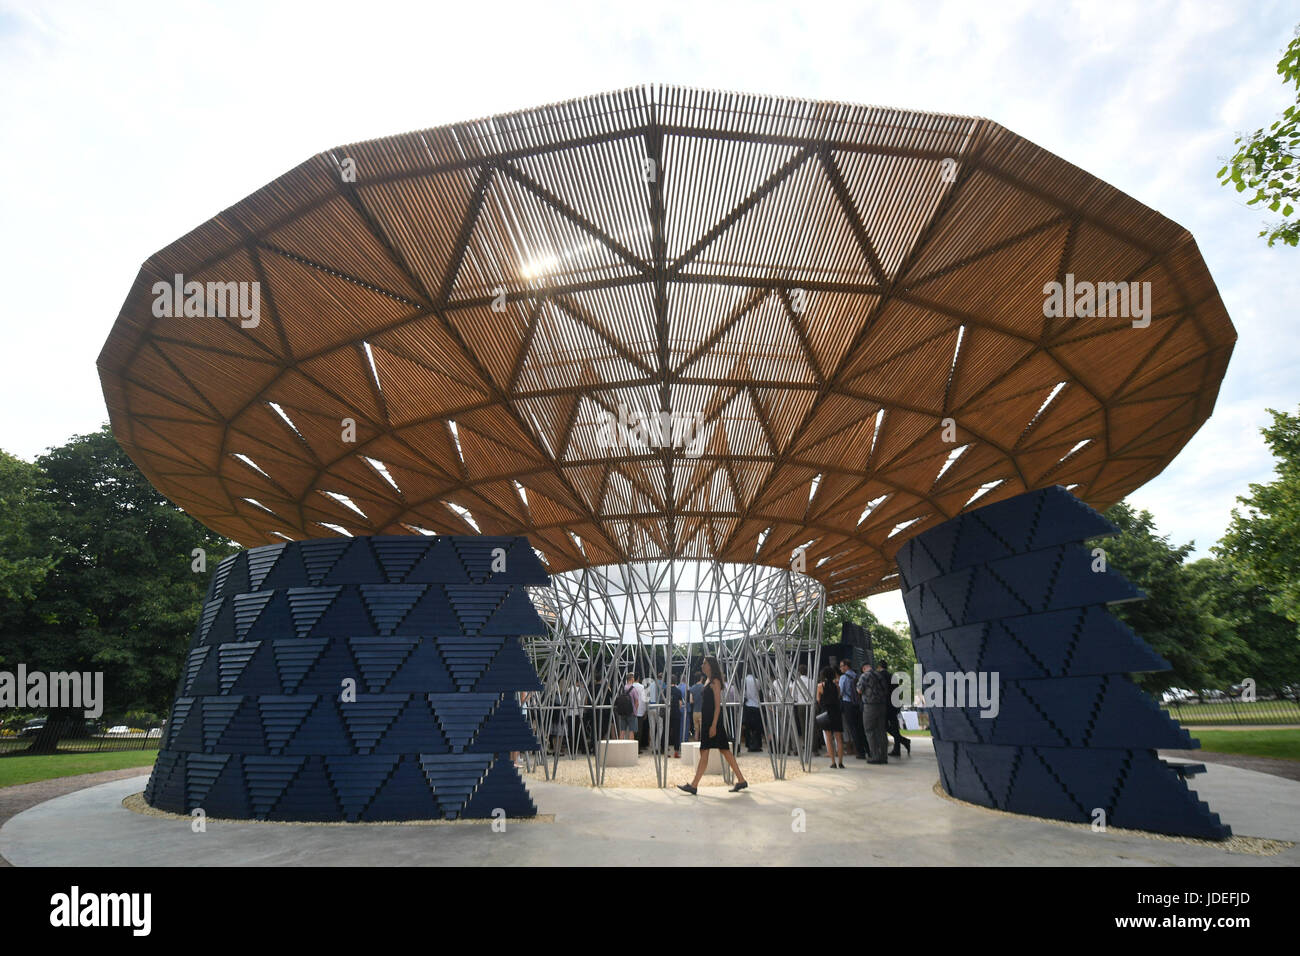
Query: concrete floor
860	815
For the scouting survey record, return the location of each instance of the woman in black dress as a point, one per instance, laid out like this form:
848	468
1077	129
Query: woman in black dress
828	703
713	733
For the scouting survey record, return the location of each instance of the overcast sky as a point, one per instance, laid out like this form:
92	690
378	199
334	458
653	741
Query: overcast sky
125	126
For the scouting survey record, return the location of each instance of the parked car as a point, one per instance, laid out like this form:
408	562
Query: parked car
1176	695
119	729
156	732
1207	694
32	727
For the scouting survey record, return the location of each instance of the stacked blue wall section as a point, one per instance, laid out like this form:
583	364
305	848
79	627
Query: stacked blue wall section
429	630
1011	589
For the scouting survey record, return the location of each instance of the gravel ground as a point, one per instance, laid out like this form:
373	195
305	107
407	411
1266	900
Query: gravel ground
16	799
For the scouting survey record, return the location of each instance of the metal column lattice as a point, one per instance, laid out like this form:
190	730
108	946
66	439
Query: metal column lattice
350	679
664	617
1010	589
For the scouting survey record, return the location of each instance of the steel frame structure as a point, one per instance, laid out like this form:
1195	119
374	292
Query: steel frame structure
657	617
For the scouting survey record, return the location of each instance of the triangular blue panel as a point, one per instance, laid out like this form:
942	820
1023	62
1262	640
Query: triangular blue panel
389	603
356	566
441	565
510	670
398	554
231	661
369	716
461	715
380	657
423	672
322	732
218	712
288	571
260	562
516	616
406	796
276	619
454	778
268	778
501	789
294	659
306	605
345	617
357	780
282	716
431	616
320	555
505	731
468	658
309	796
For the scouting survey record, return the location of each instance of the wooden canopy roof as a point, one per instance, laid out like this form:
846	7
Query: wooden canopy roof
822	284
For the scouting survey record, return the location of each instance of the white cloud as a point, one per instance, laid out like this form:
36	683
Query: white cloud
126	127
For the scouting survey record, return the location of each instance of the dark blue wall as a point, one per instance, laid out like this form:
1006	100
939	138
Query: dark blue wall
1010	588
429	633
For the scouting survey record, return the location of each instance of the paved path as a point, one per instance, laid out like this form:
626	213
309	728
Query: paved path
14	800
862	815
1290	769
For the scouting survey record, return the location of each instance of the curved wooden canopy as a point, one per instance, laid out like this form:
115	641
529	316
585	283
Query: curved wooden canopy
822	284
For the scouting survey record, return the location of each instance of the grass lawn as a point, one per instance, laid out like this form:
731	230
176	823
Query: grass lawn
28	769
1284	744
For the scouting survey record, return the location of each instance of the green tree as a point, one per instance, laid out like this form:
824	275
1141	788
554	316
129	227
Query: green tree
1267	161
892	644
1264	541
1172	619
25	558
122	598
1260	644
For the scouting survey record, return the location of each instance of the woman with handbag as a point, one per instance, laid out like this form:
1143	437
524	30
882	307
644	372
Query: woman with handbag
828	716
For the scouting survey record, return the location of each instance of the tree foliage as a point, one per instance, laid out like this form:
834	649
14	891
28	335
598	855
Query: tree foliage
1257	643
119	595
894	645
1264	540
1268	161
1172	619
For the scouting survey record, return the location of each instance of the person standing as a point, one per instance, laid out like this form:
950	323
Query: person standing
649	698
851	710
675	719
875	700
752	719
861	685
625	704
573	711
801	692
684	694
715	737
829	718
891	717
697	702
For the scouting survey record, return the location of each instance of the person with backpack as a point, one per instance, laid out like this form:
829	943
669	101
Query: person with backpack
625	706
